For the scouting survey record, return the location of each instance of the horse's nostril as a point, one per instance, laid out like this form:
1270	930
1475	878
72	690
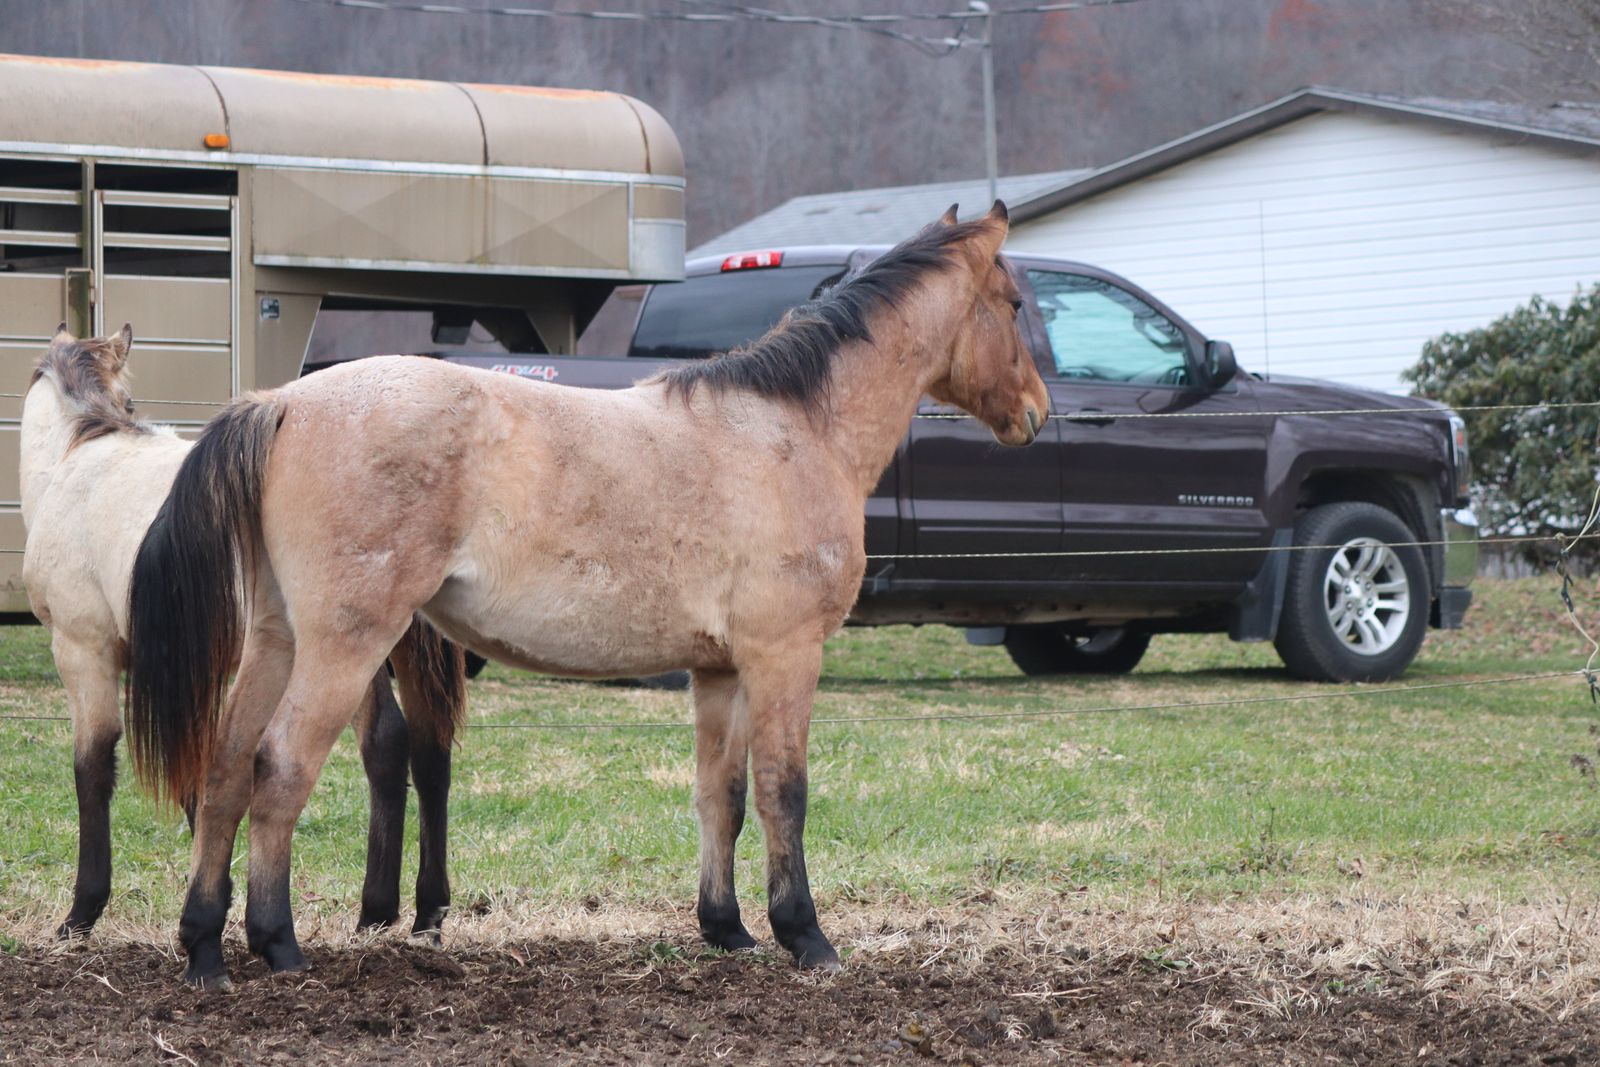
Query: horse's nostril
1033	422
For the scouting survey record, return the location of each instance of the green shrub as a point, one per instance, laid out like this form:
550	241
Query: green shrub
1533	470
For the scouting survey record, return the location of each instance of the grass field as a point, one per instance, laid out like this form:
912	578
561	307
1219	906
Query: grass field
1091	786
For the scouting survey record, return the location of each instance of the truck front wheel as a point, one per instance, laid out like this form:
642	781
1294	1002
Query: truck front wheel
1046	648
1355	608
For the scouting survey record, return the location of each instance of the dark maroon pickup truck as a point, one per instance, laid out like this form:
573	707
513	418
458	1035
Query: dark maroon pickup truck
1152	502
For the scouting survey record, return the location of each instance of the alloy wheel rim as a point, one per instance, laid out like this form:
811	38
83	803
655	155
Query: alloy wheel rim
1367	596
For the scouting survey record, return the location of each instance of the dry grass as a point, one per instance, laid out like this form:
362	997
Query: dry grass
1293	957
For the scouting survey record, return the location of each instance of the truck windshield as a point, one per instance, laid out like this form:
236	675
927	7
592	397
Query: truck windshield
716	312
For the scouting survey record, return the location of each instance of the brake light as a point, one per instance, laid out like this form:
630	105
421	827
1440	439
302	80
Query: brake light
752	260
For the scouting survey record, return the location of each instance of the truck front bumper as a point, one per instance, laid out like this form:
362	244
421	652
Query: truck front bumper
1460	530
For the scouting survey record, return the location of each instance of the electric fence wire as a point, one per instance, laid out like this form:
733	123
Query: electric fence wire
1320	693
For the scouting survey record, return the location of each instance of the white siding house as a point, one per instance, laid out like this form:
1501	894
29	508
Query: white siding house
1331	234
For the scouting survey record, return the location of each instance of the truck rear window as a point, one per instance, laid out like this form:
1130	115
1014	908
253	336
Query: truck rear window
716	312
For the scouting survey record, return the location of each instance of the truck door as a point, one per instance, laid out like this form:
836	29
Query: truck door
969	494
1192	476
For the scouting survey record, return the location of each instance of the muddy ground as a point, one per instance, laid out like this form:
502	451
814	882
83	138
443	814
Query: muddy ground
644	1000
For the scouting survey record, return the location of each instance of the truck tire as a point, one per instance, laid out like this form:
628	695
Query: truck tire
1046	648
1355	611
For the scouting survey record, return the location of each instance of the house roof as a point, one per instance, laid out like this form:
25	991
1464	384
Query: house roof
874	216
1568	125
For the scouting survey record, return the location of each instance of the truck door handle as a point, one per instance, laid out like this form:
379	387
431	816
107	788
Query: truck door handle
1090	417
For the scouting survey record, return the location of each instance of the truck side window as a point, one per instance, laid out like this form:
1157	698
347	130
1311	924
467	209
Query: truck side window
1102	332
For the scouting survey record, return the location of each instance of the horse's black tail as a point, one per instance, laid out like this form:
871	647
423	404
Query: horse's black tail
186	600
432	672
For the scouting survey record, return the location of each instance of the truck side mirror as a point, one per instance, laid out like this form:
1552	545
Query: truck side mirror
1220	364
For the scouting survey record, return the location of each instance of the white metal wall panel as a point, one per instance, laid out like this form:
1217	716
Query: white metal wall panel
1336	245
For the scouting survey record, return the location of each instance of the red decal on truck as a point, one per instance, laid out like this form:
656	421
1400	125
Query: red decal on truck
525	371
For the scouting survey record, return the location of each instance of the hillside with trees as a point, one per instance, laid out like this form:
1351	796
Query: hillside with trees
768	111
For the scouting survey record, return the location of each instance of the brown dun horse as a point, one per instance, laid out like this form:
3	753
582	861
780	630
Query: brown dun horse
93	478
709	518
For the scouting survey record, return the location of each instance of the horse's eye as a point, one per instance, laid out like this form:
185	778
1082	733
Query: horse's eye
1016	306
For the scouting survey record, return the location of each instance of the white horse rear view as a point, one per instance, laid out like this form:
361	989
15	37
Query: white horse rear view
93	479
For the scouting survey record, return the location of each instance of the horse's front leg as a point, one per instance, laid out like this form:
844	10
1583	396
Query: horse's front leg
722	748
263	671
321	698
385	746
90	678
780	692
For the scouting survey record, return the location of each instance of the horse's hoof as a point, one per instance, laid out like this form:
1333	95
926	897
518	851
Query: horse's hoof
209	983
71	929
373	923
736	939
815	954
287	961
429	936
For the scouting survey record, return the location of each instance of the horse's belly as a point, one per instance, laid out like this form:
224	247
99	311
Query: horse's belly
581	628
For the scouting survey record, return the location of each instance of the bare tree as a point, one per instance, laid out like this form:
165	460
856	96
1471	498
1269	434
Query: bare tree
766	112
1562	35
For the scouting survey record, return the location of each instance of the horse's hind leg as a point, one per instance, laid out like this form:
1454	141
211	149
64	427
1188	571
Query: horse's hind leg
431	674
327	684
780	692
722	747
263	672
385	744
430	773
90	677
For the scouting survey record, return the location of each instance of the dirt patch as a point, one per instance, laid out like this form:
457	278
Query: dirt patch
904	998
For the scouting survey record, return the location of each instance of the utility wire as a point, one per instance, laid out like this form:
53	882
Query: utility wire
933	47
733	13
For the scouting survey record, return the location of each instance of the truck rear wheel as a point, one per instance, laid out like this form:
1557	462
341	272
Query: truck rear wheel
1356	610
1047	648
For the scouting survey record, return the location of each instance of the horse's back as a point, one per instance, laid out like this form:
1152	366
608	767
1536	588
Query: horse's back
88	524
570	530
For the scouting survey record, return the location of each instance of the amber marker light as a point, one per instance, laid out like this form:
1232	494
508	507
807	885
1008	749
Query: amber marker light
216	140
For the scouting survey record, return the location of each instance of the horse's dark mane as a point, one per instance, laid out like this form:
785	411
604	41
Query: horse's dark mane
79	371
792	360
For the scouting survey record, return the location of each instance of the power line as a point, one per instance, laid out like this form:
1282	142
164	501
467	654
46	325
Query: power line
732	13
937	47
934	47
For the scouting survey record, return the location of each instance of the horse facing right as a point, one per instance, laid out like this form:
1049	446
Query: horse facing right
710	519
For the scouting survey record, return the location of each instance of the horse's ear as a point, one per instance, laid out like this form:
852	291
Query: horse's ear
949	217
121	342
996	225
61	336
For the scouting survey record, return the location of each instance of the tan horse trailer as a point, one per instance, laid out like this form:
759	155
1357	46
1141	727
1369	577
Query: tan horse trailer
220	210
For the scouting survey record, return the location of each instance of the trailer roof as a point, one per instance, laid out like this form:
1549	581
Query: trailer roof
167	111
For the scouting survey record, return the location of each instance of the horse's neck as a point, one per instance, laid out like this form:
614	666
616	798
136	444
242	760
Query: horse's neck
46	433
875	388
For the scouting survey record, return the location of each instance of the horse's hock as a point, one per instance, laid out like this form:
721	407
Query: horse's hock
218	208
